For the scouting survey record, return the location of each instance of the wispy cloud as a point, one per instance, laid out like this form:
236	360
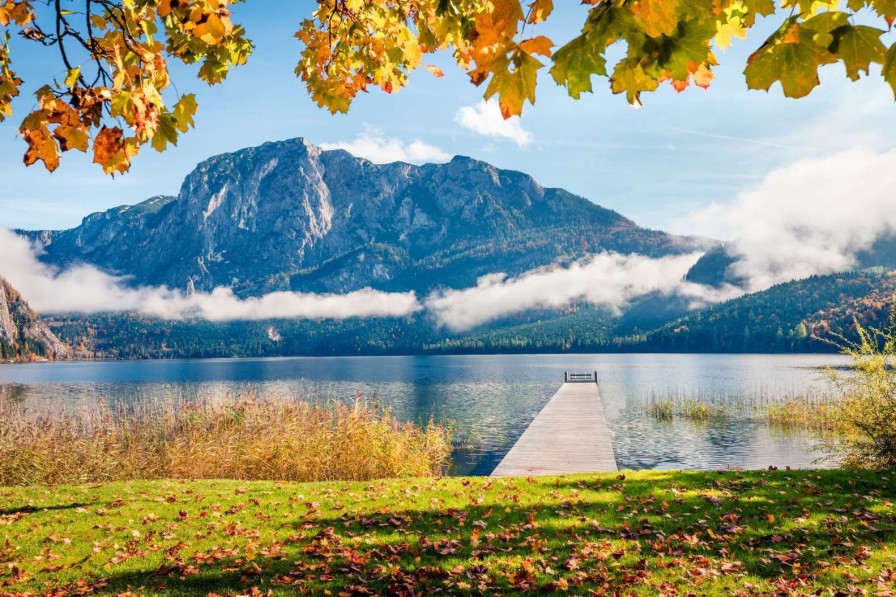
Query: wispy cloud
751	141
485	119
87	289
374	145
609	279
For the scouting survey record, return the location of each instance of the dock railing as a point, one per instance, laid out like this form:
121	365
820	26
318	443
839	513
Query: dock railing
580	377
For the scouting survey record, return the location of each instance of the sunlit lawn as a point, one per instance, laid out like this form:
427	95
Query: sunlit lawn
649	532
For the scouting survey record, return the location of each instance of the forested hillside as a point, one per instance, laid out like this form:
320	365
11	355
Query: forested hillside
785	318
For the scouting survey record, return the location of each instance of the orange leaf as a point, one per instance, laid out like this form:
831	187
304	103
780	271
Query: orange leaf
703	77
41	146
538	45
112	151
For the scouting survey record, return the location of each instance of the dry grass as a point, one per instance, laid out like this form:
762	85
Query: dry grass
227	437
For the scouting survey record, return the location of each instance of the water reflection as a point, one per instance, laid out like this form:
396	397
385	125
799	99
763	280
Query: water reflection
489	400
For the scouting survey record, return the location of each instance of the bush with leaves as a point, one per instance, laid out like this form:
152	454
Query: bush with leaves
865	429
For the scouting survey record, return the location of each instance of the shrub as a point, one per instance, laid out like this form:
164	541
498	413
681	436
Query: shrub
226	437
865	430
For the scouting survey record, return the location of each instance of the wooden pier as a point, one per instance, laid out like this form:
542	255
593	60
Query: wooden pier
569	435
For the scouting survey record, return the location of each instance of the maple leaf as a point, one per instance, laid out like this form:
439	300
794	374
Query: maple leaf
540	10
656	17
889	68
41	146
112	151
513	81
576	62
629	77
71	137
791	57
858	46
537	45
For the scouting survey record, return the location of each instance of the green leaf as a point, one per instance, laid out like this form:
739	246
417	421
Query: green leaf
630	77
889	70
681	54
823	25
575	62
792	57
858	46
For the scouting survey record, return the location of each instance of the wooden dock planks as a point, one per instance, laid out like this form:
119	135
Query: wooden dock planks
569	435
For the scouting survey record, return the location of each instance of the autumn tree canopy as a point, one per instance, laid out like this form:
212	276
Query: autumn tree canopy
112	96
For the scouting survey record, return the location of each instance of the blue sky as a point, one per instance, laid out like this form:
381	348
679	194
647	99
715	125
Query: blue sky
659	165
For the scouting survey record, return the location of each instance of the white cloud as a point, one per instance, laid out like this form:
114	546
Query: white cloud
86	289
485	119
606	279
810	217
374	145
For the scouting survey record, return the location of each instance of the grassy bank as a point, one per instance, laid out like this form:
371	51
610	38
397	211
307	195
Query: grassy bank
779	532
229	437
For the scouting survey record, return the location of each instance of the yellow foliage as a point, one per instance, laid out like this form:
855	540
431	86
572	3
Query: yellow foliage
351	46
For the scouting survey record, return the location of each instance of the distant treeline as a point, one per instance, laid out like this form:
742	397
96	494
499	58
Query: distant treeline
786	318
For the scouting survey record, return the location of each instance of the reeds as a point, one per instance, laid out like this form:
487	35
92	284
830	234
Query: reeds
811	410
693	409
222	437
804	412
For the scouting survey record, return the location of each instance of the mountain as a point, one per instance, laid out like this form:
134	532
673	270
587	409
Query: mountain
290	216
23	335
785	317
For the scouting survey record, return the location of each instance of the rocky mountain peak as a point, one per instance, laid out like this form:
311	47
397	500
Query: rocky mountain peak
23	335
288	215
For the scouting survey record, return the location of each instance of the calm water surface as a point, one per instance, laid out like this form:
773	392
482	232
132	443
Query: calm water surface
490	400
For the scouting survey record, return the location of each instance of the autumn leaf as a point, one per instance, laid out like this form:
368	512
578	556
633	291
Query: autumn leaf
514	82
540	10
42	147
184	111
858	46
537	45
112	151
71	137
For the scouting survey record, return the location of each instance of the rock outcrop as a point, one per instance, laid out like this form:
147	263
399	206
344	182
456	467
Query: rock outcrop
23	335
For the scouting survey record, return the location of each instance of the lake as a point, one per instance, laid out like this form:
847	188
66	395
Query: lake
489	400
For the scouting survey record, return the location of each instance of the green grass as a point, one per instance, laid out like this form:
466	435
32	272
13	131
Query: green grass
648	533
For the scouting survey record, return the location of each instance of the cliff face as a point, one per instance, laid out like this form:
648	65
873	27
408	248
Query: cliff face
23	335
290	216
